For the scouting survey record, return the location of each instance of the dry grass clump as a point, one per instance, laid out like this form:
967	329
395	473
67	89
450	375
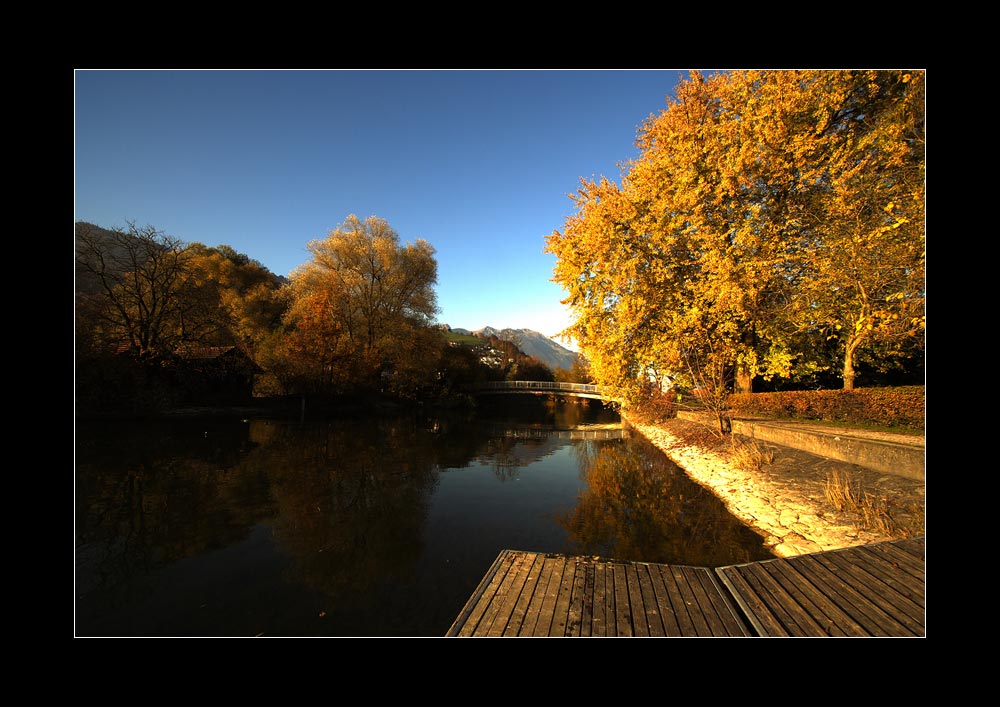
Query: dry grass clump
875	512
749	454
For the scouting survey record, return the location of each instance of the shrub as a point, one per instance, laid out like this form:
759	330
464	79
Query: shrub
901	406
652	406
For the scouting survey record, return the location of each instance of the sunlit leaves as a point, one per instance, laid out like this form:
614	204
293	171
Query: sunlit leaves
360	309
766	208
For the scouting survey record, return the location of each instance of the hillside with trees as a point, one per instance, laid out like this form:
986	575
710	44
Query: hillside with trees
769	236
161	322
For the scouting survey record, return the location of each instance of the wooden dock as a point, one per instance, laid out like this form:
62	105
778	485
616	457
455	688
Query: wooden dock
872	590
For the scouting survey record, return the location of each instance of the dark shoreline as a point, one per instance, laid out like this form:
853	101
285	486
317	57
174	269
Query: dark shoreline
291	407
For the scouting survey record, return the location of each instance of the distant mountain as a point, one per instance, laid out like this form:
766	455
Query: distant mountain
544	348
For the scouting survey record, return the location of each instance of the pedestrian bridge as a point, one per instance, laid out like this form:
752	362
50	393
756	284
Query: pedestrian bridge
579	390
597	431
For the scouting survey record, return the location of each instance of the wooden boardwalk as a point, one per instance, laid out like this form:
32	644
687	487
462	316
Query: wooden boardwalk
873	590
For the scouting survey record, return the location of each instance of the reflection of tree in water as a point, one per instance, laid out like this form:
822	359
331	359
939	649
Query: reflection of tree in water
150	495
504	460
350	501
558	411
568	413
586	452
507	455
347	498
641	506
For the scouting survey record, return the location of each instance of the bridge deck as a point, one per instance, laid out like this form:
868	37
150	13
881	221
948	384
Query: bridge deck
582	390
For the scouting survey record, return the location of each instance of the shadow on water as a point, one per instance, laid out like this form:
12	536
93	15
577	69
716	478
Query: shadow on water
379	527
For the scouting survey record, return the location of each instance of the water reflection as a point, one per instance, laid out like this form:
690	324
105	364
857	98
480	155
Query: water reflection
147	497
378	526
638	505
349	498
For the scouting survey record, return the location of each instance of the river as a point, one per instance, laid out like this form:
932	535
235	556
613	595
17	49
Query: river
364	525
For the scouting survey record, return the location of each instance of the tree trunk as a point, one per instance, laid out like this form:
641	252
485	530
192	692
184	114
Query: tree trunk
744	381
849	365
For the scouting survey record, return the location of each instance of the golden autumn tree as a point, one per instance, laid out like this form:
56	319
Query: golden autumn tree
362	307
240	297
865	285
713	257
611	293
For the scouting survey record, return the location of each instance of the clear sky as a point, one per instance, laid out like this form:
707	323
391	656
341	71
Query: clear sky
478	163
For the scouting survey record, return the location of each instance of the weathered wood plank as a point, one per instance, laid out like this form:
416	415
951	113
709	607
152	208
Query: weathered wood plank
495	620
690	601
874	620
677	602
623	611
610	605
479	602
889	607
557	565
599	626
587	618
722	618
792	620
574	619
668	616
828	616
649	602
915	546
560	614
894	568
891	574
746	592
520	611
532	612
905	562
702	606
864	591
638	612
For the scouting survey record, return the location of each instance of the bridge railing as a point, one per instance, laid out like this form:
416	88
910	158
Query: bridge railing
540	385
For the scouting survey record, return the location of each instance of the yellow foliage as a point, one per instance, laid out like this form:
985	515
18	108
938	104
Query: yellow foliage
750	217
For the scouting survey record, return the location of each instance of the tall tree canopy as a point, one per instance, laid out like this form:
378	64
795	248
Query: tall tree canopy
771	216
362	307
242	299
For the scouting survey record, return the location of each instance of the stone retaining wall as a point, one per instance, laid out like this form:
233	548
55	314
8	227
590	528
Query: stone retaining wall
887	457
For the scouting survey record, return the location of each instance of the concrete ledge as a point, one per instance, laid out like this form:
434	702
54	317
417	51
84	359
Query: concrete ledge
887	457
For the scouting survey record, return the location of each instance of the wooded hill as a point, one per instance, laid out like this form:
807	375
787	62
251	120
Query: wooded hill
161	323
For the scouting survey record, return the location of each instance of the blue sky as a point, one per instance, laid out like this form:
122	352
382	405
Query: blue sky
478	163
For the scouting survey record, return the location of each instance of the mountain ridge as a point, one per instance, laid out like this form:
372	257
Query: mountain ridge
534	343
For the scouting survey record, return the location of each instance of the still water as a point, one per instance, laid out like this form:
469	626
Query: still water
380	526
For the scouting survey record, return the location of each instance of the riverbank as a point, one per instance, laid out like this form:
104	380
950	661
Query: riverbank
785	500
